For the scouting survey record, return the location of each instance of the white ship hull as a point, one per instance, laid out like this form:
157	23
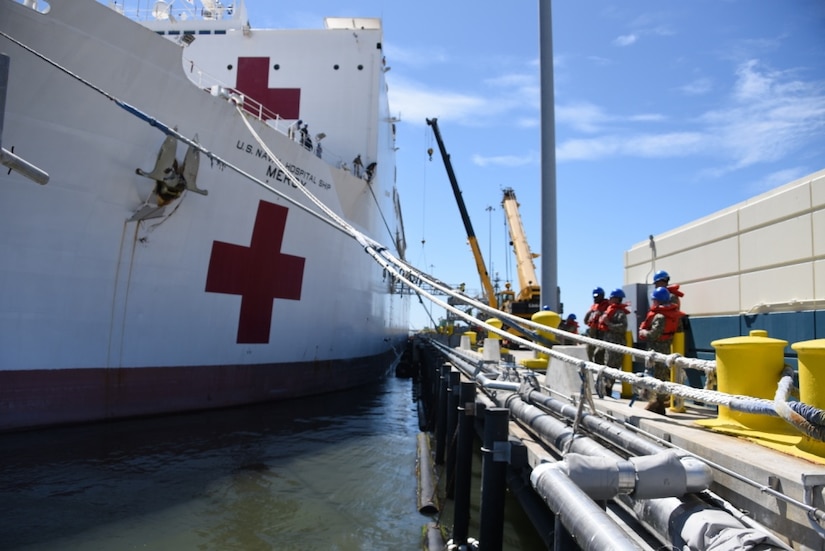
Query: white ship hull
111	306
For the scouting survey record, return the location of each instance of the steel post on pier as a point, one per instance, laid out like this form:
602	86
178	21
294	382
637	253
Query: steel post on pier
464	461
494	463
452	423
441	415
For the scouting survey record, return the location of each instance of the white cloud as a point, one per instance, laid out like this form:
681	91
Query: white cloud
626	39
751	83
528	122
512	80
766	115
769	115
598	60
779	178
584	117
590	118
517	90
647	117
698	87
674	144
504	160
416	57
415	103
645	25
505	94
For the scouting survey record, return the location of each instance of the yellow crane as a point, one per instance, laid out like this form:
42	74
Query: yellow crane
468	227
528	300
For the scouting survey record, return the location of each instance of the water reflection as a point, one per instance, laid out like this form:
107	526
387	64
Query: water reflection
330	472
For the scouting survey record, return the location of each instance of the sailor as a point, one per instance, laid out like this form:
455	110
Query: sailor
291	129
306	141
694	377
658	329
370	171
591	320
357	166
662	279
571	326
613	325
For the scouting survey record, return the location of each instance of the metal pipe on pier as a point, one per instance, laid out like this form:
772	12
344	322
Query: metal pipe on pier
590	526
426	478
603	474
434	539
554	432
624	438
690	523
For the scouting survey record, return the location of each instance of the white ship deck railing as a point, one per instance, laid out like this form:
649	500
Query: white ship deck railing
209	11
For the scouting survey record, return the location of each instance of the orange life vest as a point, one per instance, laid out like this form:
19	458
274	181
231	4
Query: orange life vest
612	308
571	326
596	311
672	315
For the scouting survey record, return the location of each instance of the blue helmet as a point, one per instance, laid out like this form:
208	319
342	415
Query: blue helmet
572	317
598	292
661	294
661	275
617	293
545	307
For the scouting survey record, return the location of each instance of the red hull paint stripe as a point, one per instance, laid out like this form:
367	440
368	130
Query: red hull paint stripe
30	399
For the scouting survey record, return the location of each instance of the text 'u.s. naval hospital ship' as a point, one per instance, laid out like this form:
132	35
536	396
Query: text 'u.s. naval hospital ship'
210	190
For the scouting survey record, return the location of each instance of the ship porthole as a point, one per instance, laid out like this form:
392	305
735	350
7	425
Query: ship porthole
229	67
276	66
335	66
360	67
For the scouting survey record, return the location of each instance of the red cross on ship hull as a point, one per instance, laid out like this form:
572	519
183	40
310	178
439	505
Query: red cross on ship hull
253	80
259	273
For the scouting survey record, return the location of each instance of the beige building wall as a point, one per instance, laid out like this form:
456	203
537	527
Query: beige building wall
765	254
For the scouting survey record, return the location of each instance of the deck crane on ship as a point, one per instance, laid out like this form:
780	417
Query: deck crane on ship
528	300
486	283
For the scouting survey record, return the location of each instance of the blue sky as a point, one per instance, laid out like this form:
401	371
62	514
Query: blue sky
665	112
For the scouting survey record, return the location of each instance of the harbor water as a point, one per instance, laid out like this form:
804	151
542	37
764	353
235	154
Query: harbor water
334	472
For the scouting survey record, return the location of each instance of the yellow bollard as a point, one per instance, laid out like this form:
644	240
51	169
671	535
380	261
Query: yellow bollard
811	385
495	322
627	366
472	336
677	403
749	366
549	319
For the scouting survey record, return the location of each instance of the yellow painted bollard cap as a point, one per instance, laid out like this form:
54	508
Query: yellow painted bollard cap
750	366
756	336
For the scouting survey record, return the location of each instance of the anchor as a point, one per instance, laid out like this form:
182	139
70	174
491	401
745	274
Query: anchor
170	177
